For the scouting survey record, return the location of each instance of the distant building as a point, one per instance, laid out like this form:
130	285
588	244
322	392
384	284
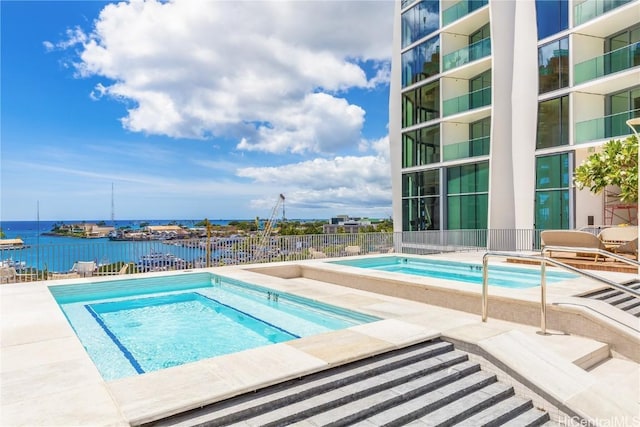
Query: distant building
167	231
346	224
88	229
11	244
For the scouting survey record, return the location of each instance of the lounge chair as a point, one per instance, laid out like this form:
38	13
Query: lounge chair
85	268
316	254
628	248
352	250
57	276
613	237
123	270
572	239
8	275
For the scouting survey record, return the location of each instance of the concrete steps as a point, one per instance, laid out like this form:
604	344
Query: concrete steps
430	383
619	299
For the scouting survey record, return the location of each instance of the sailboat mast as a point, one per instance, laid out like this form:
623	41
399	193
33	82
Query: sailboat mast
113	213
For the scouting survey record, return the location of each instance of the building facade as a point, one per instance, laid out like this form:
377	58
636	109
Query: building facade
493	104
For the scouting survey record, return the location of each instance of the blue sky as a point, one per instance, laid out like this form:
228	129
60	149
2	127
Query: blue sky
194	109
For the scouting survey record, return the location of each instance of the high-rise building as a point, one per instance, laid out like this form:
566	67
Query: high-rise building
495	102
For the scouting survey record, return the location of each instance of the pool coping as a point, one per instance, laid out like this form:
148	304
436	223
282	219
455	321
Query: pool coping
48	379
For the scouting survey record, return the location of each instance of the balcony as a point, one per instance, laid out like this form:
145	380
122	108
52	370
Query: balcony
606	127
469	101
461	9
406	3
609	63
467	54
471	148
591	9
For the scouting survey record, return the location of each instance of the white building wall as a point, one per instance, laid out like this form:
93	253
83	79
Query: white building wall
501	173
587	203
524	102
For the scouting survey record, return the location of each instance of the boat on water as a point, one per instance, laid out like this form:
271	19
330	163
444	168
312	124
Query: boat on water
10	262
160	261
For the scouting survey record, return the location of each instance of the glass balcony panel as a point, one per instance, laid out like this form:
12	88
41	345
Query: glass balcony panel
462	150
461	9
475	99
605	127
611	62
591	9
406	3
467	54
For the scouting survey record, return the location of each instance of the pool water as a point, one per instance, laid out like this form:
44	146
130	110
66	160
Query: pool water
509	277
130	327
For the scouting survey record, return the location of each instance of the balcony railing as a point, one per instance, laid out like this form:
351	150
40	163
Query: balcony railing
119	259
609	63
406	3
591	9
461	9
473	52
471	148
605	127
471	100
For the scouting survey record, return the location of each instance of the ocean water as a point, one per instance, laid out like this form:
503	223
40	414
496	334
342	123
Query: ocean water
31	231
58	253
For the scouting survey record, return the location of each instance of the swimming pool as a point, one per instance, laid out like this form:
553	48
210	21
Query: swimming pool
509	277
133	326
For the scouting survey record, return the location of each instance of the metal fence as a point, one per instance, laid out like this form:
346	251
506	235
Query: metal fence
104	257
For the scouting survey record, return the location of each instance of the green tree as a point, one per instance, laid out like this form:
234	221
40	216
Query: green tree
386	225
2	235
616	164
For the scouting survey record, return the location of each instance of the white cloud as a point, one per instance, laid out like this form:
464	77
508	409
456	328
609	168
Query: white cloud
270	72
342	183
320	124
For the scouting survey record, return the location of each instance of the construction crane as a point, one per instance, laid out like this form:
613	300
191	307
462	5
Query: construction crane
265	234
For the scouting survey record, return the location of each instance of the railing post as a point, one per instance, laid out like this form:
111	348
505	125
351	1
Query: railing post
485	287
543	297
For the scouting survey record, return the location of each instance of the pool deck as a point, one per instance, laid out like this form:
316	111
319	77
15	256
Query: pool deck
47	379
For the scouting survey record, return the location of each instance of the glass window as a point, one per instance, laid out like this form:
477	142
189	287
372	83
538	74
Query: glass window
623	51
421	200
552	210
420	21
480	129
406	3
421	62
421	104
552	192
481	34
553	65
552	17
552	172
481	81
553	123
479	90
421	147
467	196
622	107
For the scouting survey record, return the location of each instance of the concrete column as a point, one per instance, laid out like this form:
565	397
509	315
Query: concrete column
513	119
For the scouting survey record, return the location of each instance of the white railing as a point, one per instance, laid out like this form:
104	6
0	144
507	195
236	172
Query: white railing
51	261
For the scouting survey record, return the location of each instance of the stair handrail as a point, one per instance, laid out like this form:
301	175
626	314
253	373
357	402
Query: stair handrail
544	259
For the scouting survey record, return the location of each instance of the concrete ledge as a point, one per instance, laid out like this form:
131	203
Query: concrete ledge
574	391
596	324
